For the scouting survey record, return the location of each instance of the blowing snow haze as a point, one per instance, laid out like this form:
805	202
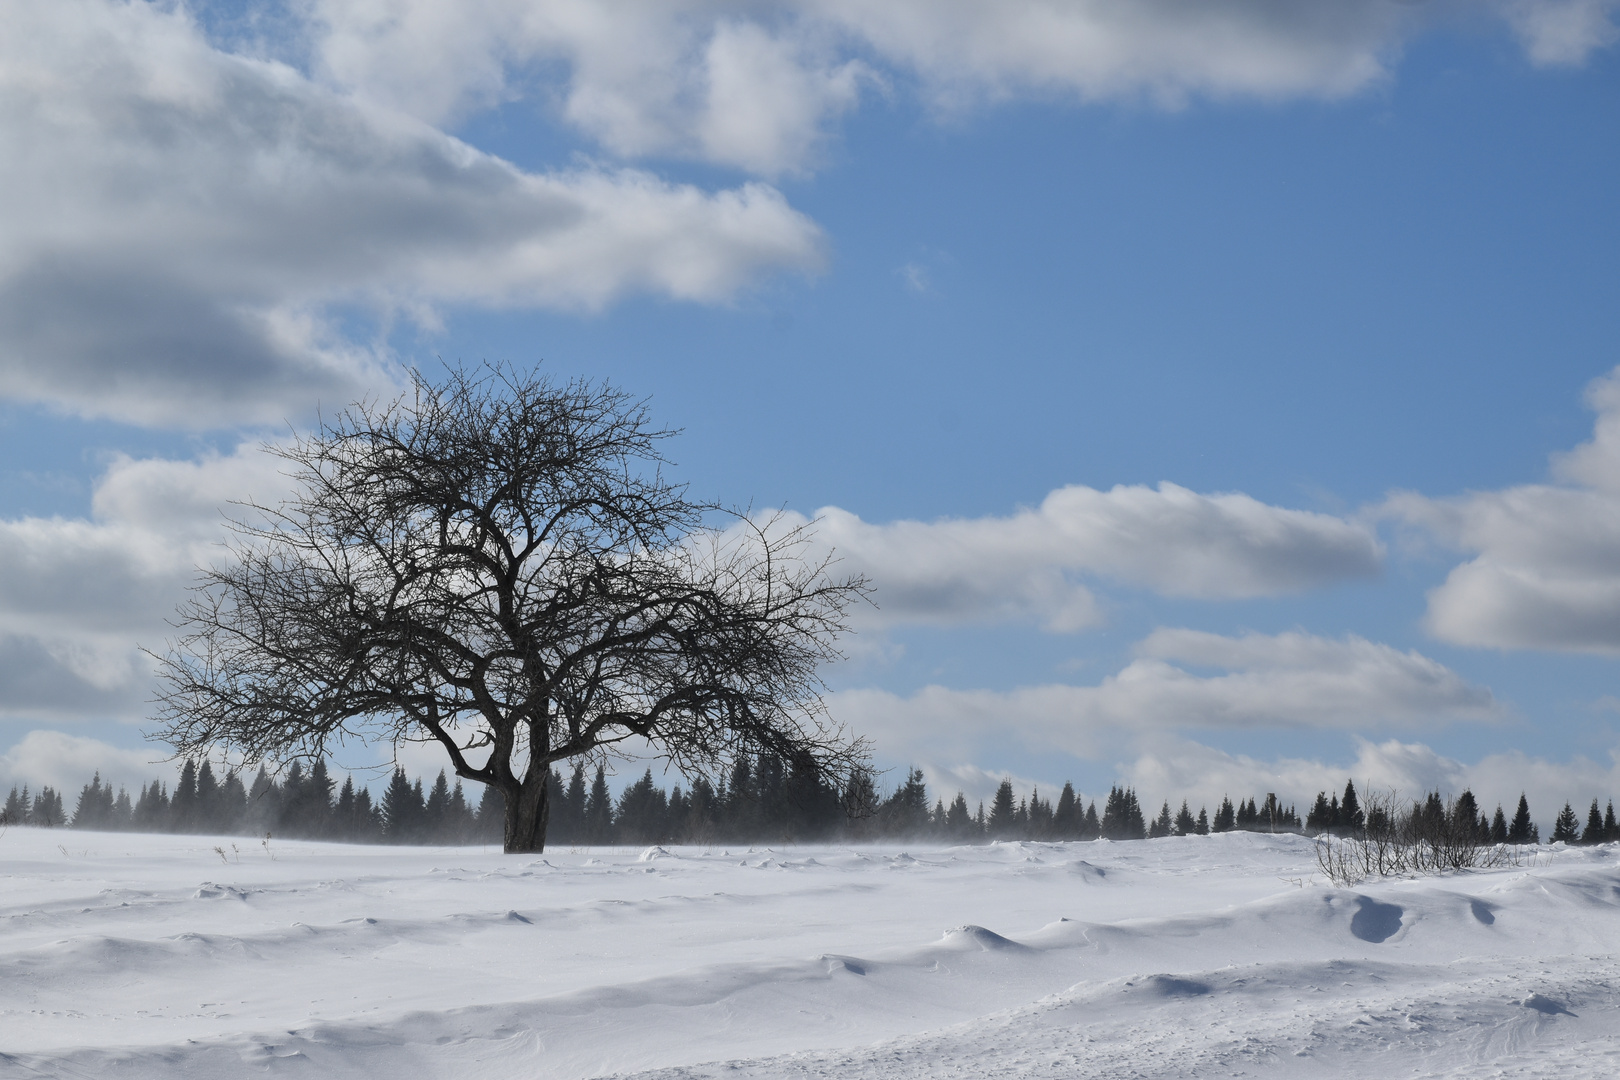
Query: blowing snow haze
1217	396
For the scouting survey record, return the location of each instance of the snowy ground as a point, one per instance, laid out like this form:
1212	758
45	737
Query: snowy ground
154	956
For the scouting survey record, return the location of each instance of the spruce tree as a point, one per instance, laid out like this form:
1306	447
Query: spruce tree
89	813
263	804
1350	815
1161	824
569	818
905	813
1093	826
1003	813
344	824
1225	817
1465	813
47	809
183	805
1246	814
640	817
740	804
1320	818
151	808
317	808
1611	831
1566	827
1133	816
123	814
459	816
1113	817
368	816
401	809
207	799
680	808
771	813
232	802
291	803
1594	833
1185	826
599	810
1203	822
1066	817
1040	817
436	811
491	816
1272	816
1499	828
1522	831
701	809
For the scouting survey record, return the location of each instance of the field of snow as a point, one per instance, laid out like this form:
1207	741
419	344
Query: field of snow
159	956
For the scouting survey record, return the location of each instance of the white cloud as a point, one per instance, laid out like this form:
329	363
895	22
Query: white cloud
81	593
193	226
1168	539
1177	769
67	762
757	86
1563	32
976	785
737	84
77	596
187	219
1290	680
1546	569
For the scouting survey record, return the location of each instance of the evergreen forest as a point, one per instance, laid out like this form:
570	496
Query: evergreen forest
758	800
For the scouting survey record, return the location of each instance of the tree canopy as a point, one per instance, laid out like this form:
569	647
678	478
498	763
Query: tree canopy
497	563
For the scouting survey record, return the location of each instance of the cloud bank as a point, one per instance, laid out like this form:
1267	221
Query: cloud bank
1180	679
83	592
189	219
1545	571
1204	775
759	86
199	221
1167	539
77	596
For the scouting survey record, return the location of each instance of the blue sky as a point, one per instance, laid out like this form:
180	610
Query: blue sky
1343	277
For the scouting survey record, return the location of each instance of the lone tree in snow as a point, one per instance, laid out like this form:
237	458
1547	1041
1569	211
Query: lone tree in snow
498	564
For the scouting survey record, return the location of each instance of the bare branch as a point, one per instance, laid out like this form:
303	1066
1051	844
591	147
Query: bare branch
500	562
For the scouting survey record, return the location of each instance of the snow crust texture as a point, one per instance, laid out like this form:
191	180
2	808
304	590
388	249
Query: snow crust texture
161	956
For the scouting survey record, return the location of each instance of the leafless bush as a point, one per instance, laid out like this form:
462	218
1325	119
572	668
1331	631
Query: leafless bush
1426	837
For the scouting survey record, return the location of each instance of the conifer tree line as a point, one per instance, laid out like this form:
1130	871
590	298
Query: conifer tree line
757	800
1462	815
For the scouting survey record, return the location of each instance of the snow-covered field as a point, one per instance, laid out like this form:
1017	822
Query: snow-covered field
154	956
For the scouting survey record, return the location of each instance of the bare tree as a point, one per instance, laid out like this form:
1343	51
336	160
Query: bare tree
1418	838
498	564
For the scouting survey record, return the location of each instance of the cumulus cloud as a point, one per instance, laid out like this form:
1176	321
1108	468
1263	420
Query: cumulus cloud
1546	567
1180	679
1169	539
77	596
188	219
66	763
1177	769
1563	32
84	591
757	86
193	226
736	84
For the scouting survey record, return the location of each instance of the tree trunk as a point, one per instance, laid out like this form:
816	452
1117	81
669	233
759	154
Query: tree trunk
527	811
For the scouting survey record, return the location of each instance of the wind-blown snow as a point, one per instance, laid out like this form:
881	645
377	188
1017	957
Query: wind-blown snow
153	956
